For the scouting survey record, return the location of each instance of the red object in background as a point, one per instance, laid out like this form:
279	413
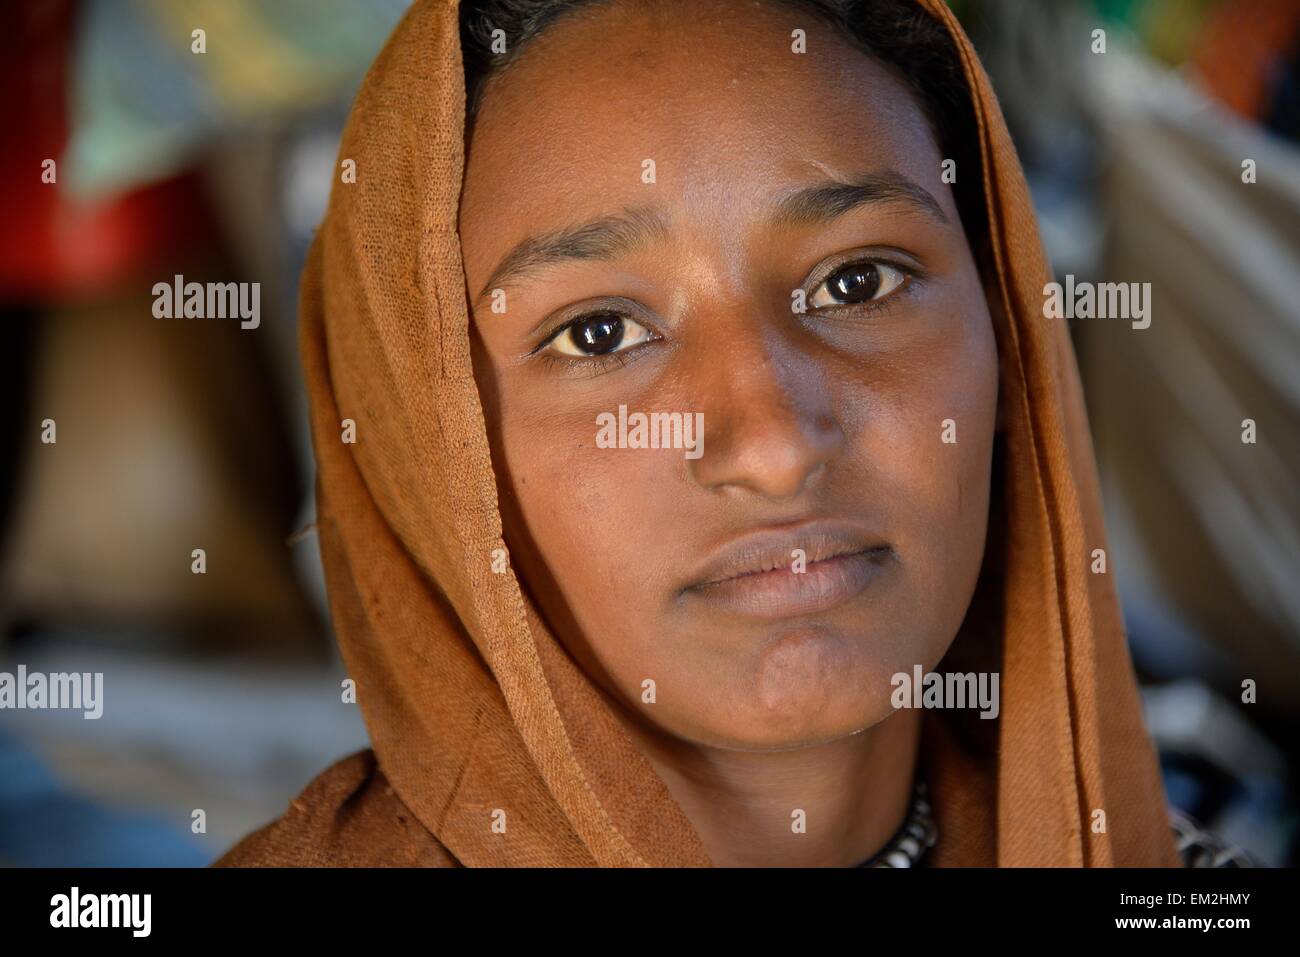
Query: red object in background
52	247
1240	50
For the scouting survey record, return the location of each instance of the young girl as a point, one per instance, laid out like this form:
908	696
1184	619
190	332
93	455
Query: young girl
700	481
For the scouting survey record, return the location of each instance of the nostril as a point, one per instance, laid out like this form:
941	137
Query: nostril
777	459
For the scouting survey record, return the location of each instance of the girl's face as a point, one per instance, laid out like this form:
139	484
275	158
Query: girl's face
655	191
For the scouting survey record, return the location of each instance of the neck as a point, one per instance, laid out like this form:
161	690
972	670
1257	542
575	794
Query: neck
854	791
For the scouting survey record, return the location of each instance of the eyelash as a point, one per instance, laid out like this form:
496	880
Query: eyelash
595	365
588	366
911	278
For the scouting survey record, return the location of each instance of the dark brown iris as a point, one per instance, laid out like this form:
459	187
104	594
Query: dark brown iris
597	335
858	282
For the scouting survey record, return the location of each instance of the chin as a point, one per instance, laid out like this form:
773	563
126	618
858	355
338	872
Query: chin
798	730
798	713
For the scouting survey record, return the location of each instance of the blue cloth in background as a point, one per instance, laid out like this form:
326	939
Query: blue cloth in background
44	825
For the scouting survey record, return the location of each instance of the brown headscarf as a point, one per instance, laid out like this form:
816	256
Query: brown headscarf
474	707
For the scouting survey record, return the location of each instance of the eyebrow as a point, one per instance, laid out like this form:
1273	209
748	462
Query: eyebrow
607	237
603	238
823	202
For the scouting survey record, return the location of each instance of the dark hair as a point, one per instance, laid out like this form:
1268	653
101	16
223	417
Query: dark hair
897	33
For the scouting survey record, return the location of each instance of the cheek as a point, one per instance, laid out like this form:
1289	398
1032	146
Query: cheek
931	455
599	521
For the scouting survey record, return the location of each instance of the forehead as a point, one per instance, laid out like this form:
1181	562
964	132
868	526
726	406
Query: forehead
711	91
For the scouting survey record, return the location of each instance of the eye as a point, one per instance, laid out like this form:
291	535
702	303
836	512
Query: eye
598	334
858	282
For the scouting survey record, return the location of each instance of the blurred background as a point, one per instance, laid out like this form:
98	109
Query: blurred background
223	689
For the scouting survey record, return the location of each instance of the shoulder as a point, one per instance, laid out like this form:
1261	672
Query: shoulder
1198	847
347	816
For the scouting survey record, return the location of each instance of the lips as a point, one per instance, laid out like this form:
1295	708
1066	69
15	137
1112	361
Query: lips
755	576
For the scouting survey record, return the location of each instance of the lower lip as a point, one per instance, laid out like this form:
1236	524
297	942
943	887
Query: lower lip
783	593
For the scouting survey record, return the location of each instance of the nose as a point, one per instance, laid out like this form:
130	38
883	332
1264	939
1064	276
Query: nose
769	419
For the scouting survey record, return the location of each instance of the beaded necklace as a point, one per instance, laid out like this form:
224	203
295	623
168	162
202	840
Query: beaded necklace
910	842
